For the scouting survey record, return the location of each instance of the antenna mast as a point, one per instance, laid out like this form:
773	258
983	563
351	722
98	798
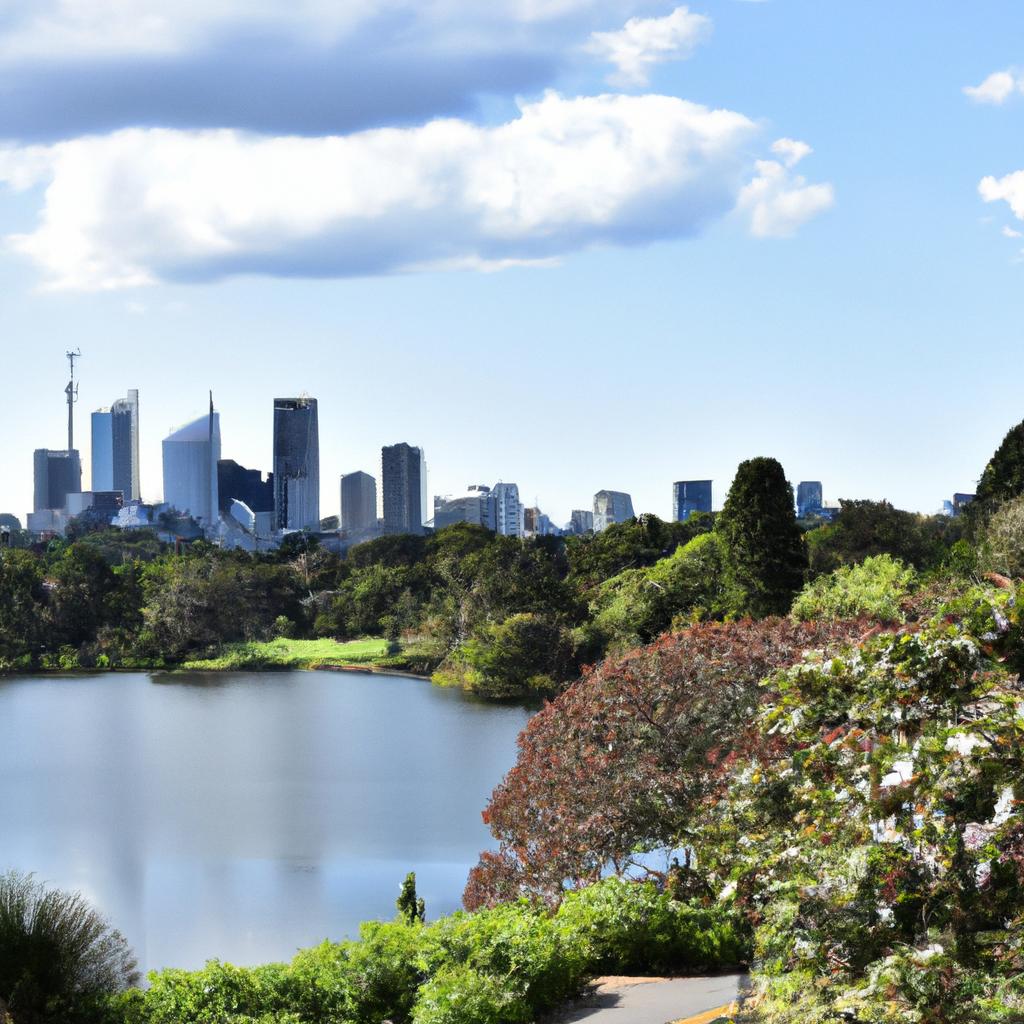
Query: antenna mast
72	392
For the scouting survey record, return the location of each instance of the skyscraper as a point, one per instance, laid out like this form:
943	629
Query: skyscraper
611	507
689	496
236	483
358	501
115	447
56	475
404	482
508	510
808	498
296	464
190	455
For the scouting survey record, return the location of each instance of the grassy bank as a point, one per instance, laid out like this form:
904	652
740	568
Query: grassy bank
296	654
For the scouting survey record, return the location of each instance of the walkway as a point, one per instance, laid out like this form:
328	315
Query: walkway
656	1002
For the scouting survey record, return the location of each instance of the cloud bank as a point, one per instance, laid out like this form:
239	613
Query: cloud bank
308	67
144	205
644	42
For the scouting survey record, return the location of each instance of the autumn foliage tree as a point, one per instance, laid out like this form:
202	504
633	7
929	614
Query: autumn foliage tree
628	757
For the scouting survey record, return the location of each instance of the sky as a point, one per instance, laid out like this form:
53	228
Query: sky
574	244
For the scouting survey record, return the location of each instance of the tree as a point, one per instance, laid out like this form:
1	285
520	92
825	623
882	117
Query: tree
58	957
628	758
1003	477
411	907
865	529
765	558
22	607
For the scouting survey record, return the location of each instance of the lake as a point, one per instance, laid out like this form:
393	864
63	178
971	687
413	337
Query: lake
245	815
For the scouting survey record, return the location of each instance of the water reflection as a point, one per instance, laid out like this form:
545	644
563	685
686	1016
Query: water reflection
245	815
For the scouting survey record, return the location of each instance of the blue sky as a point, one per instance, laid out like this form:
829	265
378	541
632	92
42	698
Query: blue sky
548	243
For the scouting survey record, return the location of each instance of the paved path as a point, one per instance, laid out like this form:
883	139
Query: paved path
657	1002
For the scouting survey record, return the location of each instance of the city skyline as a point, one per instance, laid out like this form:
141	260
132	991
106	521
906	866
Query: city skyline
670	338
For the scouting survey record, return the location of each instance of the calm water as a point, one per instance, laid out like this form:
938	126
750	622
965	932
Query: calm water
245	815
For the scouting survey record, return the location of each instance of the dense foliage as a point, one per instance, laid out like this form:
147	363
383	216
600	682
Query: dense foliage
499	966
1003	476
59	959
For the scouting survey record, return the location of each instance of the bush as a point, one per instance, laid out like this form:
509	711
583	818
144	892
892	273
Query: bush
59	960
634	928
462	995
875	589
1002	544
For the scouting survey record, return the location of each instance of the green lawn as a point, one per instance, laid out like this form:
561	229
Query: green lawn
282	653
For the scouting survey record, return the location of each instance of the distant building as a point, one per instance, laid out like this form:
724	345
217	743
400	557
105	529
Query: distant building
581	521
404	482
296	464
958	504
358	501
809	501
537	524
236	483
57	474
689	496
611	507
190	457
508	510
115	447
476	506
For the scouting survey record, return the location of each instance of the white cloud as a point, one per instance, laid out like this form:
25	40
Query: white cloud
1009	189
790	151
644	42
1009	232
778	202
996	89
143	205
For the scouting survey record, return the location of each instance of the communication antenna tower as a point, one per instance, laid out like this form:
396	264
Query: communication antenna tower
72	392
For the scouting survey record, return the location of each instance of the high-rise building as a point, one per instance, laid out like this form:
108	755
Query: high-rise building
296	464
508	510
477	506
358	501
404	483
115	447
191	454
808	498
57	474
689	496
611	507
236	483
581	521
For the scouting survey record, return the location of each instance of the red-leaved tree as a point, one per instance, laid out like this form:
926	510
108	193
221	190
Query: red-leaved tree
628	756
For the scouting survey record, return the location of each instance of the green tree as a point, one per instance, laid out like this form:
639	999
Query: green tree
58	958
765	558
22	607
411	907
1003	477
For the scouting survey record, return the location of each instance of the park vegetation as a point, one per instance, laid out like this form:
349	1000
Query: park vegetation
801	752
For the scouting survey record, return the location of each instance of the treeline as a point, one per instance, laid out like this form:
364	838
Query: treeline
500	616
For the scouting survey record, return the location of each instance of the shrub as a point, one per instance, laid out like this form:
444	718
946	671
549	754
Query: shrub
875	589
463	995
59	959
633	927
1002	544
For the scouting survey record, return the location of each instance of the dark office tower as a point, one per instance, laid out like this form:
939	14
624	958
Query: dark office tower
404	480
808	498
57	474
236	483
296	464
358	501
689	496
